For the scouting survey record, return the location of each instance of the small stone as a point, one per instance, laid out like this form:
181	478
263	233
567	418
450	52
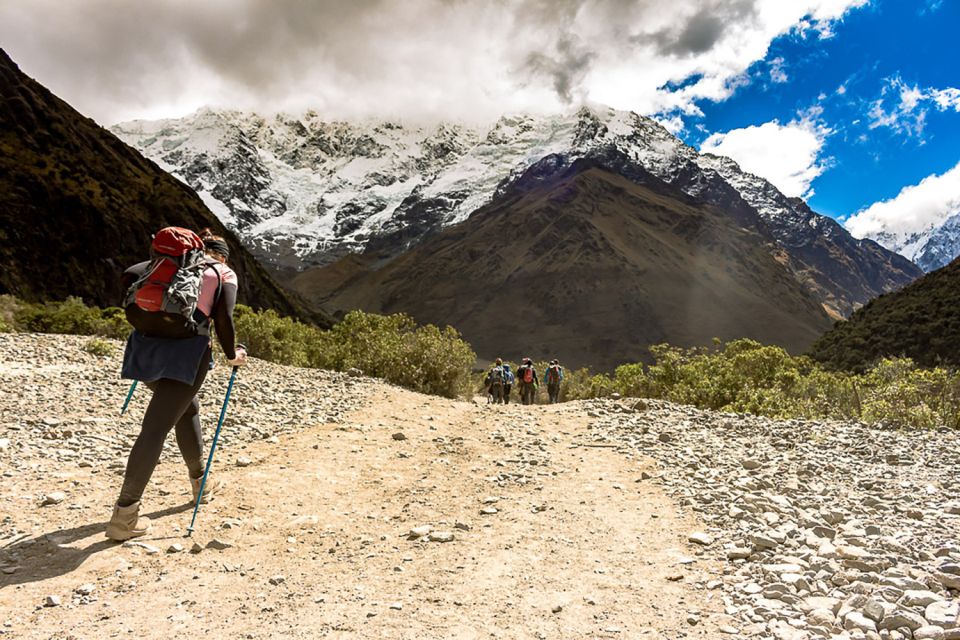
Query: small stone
55	497
176	547
243	461
701	538
85	589
399	436
136	544
397	606
51	601
943	613
665	438
353	372
196	548
419	532
488	511
928	632
276	580
750	464
557	609
441	536
218	545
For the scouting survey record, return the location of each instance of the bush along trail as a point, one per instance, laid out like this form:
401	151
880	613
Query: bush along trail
353	508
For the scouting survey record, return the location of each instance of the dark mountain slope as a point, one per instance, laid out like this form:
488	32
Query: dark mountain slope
921	321
582	263
77	205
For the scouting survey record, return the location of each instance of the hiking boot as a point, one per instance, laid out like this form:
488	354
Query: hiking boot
126	523
209	491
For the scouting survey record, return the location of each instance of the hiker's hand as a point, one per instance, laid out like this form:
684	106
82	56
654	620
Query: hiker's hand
240	359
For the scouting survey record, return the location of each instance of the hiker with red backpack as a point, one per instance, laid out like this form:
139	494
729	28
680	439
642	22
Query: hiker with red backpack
552	377
172	301
527	379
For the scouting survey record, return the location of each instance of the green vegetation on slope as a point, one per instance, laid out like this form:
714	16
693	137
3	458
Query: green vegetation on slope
920	322
742	376
426	359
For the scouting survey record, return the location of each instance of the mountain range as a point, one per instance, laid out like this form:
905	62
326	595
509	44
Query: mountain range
577	260
932	246
302	191
77	206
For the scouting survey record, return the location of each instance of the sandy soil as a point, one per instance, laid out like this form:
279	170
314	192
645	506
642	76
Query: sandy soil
318	523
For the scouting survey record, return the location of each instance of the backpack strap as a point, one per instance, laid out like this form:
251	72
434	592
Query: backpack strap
212	264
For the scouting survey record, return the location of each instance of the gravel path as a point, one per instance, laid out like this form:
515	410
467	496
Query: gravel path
828	530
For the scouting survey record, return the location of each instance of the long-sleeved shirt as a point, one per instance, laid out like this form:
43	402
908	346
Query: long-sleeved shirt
546	375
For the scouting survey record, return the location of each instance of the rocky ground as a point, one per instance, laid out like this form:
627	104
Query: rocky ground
826	530
356	509
351	509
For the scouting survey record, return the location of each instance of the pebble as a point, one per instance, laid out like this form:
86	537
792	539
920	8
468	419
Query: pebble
55	497
51	601
243	461
277	580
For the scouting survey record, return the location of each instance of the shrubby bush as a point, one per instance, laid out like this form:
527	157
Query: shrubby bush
98	347
69	316
744	376
426	359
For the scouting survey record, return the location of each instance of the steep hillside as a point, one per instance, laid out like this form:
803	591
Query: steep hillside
921	321
579	262
303	191
77	205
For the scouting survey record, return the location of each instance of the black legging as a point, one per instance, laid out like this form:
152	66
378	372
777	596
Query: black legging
173	403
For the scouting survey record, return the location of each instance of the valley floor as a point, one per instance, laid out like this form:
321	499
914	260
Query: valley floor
554	535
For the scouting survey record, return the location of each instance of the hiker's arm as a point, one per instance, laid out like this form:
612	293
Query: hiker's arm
223	319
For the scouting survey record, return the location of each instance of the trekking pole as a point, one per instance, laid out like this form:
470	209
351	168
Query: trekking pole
126	402
213	447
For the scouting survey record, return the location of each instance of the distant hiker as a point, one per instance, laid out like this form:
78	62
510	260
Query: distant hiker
496	378
527	379
172	300
552	378
508	380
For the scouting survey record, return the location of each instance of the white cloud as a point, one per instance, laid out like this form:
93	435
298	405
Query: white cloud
915	209
464	59
778	74
788	155
903	107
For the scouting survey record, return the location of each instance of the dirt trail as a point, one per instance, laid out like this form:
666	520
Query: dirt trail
579	545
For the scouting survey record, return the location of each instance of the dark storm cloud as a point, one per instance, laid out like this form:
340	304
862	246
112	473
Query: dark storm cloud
114	59
704	29
566	68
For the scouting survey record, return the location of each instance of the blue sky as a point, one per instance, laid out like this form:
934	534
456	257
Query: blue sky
875	54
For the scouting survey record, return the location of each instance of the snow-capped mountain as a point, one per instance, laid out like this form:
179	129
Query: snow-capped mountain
931	248
303	191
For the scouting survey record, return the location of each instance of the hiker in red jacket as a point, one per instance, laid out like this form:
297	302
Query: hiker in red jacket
527	379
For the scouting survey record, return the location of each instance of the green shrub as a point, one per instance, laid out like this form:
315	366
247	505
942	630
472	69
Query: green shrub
744	376
426	359
98	347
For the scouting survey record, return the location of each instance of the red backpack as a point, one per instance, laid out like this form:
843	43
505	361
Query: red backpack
527	374
162	302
